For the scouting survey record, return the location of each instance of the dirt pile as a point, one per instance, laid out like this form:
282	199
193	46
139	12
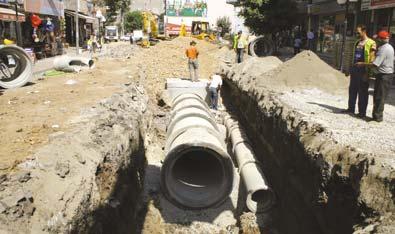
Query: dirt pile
308	70
305	70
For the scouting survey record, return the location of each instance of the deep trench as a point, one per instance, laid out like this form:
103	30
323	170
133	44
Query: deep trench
284	161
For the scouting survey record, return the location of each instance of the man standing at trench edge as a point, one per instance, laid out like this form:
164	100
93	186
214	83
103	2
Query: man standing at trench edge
192	54
364	52
384	63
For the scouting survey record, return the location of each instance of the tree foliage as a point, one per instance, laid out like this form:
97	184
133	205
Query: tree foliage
269	16
133	20
225	24
115	7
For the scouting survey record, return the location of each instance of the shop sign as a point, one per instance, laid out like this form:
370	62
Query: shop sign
191	8
365	5
10	15
376	4
325	8
45	7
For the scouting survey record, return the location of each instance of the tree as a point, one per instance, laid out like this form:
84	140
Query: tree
133	20
269	16
225	24
115	7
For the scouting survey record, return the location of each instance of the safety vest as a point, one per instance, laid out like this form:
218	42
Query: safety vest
236	42
367	50
367	54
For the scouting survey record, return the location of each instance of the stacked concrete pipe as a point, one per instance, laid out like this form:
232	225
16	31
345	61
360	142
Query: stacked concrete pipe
197	172
20	73
260	197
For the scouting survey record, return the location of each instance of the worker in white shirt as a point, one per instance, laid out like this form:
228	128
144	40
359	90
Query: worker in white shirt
214	89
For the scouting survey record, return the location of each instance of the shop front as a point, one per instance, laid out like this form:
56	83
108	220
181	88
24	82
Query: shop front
8	25
327	22
43	30
86	27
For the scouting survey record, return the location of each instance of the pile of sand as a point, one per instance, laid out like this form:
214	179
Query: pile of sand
307	70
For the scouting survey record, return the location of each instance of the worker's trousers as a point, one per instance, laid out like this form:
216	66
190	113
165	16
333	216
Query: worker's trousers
214	98
240	55
359	88
381	89
193	66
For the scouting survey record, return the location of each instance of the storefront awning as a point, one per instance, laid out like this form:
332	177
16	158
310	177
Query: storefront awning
88	19
45	7
10	15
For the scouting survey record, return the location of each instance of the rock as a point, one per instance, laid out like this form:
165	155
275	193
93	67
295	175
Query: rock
2	207
22	176
13	200
19	130
80	158
62	169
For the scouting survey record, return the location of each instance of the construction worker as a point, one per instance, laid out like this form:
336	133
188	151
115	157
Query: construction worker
364	52
384	62
239	45
192	54
214	89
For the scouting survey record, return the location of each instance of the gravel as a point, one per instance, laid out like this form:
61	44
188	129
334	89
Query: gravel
324	108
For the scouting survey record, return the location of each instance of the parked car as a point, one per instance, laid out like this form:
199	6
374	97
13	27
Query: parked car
125	37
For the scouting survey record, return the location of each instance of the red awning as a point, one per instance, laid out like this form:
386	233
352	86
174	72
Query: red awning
10	15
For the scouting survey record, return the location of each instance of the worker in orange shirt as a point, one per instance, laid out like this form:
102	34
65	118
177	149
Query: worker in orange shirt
192	54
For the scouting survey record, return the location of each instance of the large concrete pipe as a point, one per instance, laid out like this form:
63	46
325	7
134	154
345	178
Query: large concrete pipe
260	197
16	67
197	172
260	47
72	64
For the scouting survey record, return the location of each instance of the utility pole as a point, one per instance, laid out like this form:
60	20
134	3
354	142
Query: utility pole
77	28
344	39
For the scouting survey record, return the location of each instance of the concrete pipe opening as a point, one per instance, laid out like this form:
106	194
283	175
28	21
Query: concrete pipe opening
260	200
261	47
197	177
16	67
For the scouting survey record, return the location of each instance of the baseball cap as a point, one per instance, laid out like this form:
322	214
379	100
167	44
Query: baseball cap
383	34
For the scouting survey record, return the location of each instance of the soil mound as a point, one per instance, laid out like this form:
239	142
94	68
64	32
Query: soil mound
308	70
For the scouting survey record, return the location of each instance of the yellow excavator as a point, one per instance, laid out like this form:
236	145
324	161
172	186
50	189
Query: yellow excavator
201	31
150	28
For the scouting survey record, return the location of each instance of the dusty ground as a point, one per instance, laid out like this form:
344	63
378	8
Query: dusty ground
30	114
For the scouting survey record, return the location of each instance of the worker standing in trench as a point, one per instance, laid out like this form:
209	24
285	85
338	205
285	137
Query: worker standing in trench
192	54
364	52
214	89
384	62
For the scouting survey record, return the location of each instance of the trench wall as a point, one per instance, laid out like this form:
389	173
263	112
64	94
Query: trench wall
87	180
321	187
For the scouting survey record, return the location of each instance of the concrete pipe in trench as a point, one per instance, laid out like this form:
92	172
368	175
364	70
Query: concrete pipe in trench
197	172
260	197
16	67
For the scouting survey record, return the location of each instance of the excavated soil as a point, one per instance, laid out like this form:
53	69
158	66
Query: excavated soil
333	173
99	171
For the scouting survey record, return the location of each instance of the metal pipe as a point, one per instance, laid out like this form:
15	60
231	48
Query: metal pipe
260	197
197	172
